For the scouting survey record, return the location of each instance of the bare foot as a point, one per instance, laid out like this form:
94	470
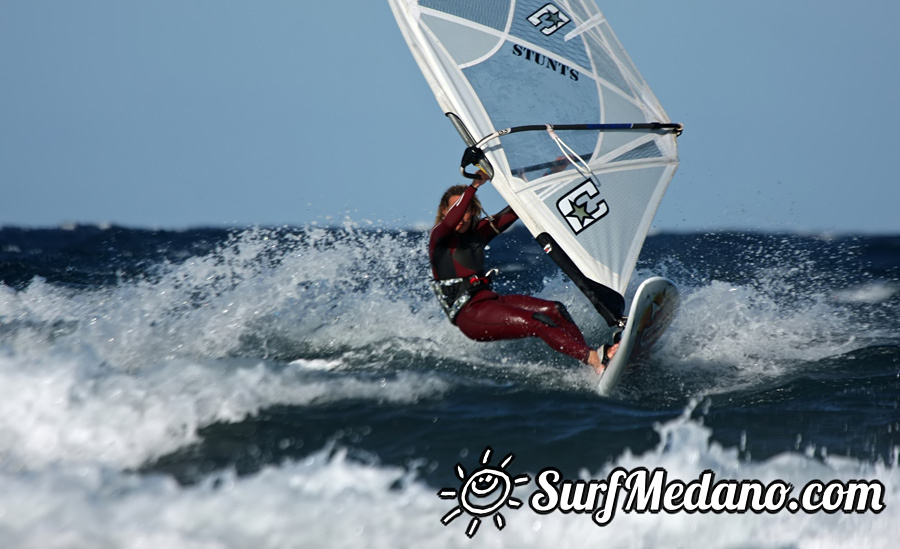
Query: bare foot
596	363
611	352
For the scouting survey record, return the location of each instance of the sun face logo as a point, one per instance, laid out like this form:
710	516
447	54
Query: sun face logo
483	493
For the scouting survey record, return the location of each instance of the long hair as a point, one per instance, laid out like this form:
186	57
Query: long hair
457	190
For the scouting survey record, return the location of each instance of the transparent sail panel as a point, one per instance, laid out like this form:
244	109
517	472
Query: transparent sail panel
503	64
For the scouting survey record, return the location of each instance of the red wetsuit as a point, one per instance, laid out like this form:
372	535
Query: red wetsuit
488	316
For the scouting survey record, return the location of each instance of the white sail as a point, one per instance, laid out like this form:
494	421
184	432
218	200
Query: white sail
589	194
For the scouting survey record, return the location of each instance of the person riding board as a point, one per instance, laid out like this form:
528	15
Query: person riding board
456	251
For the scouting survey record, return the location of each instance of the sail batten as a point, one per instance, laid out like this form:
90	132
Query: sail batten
589	188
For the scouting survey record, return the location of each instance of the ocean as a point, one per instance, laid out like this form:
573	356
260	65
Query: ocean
300	387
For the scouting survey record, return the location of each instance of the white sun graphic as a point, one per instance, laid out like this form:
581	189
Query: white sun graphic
484	492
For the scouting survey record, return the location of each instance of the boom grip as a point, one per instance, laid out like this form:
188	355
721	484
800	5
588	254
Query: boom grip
472	156
462	170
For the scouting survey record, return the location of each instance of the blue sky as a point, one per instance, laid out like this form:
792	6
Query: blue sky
176	114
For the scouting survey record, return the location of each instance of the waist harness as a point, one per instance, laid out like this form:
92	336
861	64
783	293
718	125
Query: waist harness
454	293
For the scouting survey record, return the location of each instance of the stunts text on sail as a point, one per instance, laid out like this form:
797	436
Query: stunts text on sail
545	61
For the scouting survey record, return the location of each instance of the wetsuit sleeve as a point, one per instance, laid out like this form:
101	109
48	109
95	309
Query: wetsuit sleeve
505	218
501	221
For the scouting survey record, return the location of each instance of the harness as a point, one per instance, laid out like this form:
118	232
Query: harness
454	293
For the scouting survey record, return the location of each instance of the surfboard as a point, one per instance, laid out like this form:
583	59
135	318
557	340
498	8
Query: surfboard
574	139
652	310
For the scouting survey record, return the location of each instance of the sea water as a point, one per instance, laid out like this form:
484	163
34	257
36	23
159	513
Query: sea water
300	387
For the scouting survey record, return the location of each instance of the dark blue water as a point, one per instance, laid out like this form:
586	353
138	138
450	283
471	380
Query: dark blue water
152	368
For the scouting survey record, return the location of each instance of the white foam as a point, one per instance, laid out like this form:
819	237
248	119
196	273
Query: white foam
329	290
319	365
325	501
870	292
332	293
119	375
79	368
727	336
94	382
75	412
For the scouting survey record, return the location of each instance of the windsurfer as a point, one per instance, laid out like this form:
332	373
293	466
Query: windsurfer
456	249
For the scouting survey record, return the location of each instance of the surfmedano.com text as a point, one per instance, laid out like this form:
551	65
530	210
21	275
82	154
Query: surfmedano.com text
643	491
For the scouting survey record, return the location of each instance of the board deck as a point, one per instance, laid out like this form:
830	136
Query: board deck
652	310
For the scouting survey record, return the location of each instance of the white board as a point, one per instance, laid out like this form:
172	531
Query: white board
652	310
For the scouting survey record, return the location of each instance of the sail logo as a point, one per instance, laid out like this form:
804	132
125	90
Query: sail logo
551	17
582	206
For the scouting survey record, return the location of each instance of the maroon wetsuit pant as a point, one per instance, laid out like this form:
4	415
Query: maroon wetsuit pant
490	317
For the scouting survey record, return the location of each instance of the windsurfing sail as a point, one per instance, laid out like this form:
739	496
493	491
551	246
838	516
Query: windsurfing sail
574	139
